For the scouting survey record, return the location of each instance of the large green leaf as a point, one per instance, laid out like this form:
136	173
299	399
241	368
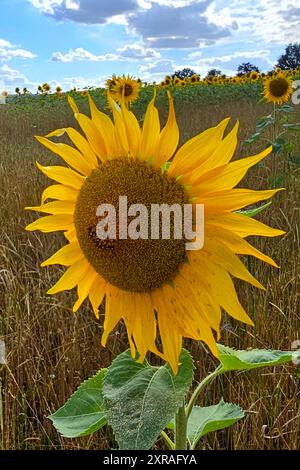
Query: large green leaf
232	359
84	412
207	419
141	399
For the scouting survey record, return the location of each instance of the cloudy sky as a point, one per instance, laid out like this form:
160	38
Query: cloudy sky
82	42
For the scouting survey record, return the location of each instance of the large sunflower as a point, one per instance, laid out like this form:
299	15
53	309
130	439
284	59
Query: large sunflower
278	88
161	291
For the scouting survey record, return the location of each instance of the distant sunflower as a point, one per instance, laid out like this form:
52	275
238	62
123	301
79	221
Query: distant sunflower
46	87
278	88
159	289
194	78
126	87
168	80
254	76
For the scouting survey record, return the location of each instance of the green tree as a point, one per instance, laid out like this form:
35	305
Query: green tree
214	73
290	60
184	73
246	67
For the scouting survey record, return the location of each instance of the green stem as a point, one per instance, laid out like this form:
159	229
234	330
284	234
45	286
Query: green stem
219	370
167	440
181	429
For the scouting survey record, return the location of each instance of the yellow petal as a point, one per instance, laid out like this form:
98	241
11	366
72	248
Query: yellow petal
197	150
113	314
221	155
96	294
222	256
73	105
105	126
71	277
80	142
69	154
59	191
169	137
56	207
234	199
84	286
52	223
93	135
120	129
170	338
151	131
238	245
66	256
71	234
63	175
242	225
225	292
229	176
140	316
133	131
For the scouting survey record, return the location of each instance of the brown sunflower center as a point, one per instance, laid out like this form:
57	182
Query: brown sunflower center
128	89
137	265
278	86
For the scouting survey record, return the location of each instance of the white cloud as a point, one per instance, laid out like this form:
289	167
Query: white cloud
11	78
127	53
9	51
262	54
81	55
136	51
270	21
163	26
157	69
85	11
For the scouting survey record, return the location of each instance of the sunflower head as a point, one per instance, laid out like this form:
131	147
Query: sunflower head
161	291
168	80
254	76
278	88
124	87
194	78
46	87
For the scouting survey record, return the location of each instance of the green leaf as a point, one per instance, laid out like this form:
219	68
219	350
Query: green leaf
292	127
252	138
207	419
278	145
295	159
84	412
263	122
232	359
141	399
286	108
253	212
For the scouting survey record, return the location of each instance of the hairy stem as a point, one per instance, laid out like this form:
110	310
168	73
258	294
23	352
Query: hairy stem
219	370
181	429
167	440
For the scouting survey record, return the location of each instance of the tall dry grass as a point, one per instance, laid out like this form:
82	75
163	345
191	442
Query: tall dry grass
50	350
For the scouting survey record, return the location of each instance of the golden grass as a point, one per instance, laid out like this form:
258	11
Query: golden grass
51	350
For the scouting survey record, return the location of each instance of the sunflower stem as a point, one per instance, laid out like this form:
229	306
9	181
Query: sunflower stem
181	429
218	371
167	440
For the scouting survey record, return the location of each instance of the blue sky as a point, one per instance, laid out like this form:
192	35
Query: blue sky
82	42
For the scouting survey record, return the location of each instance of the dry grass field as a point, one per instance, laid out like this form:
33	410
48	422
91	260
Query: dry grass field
50	350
